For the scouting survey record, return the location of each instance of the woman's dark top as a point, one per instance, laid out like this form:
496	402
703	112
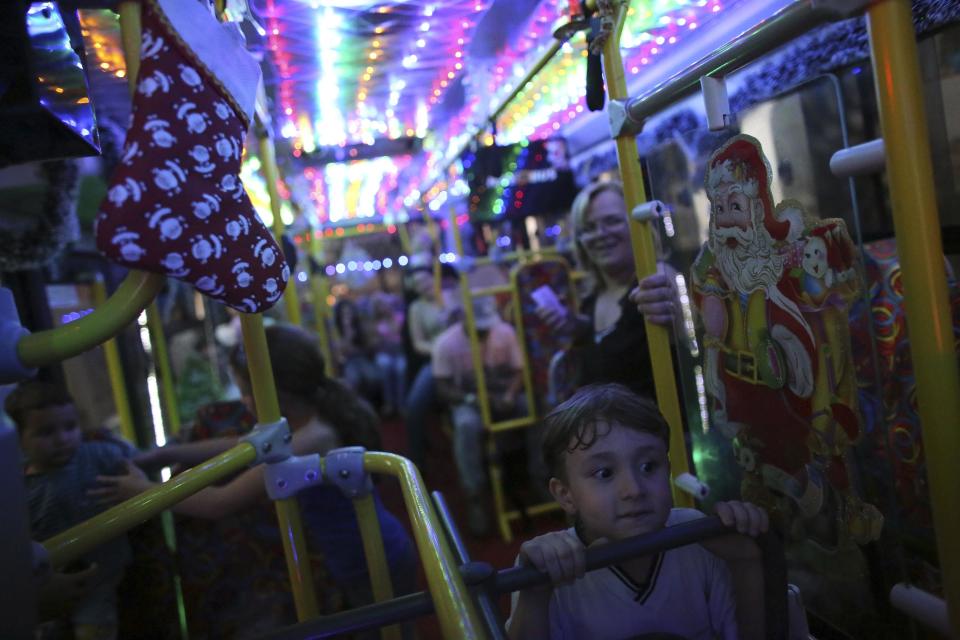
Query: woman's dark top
619	354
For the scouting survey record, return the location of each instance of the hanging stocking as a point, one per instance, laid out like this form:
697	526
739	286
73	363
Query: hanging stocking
176	204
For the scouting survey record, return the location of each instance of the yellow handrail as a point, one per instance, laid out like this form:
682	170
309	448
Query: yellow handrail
121	399
54	345
645	258
288	510
69	545
903	121
161	357
271	175
455	608
376	556
321	311
470	324
524	352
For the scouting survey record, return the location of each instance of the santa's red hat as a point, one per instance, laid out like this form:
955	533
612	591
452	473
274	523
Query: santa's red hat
747	163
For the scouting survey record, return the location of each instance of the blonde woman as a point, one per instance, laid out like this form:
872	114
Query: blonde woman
610	326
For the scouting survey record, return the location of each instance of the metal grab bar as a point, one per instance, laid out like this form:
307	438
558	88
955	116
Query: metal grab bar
503	581
786	24
455	607
54	345
645	262
488	606
67	546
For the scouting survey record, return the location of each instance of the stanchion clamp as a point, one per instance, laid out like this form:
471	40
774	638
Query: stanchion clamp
621	122
285	478
649	211
345	470
11	331
271	440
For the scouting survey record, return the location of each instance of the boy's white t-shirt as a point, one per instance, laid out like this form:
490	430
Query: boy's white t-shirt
689	595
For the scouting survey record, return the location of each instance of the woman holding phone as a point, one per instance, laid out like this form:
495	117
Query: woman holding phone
609	329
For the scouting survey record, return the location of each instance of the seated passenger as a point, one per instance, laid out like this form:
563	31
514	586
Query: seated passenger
59	467
389	352
323	415
606	450
453	373
354	350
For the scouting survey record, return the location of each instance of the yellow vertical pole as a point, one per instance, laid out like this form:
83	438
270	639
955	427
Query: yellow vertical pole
130	39
470	323
268	162
161	357
121	399
405	244
645	258
528	389
320	310
896	70
288	510
372	540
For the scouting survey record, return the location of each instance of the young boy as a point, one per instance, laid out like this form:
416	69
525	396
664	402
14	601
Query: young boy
606	450
59	470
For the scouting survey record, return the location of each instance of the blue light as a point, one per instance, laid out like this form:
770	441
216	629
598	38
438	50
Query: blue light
351	266
387	263
402	261
74	315
330	269
340	268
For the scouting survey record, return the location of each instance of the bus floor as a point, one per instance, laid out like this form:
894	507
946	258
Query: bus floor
439	472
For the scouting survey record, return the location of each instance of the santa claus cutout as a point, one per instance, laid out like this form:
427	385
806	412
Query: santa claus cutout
772	287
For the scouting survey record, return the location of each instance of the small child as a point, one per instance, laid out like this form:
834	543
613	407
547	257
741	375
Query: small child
606	450
59	470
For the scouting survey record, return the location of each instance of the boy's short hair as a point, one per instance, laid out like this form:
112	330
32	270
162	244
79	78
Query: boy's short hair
31	396
575	421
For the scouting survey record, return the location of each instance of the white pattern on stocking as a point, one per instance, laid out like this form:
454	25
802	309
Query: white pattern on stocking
222	110
170	178
244	279
156	80
129	188
197	121
205	247
265	252
173	262
201	156
158	132
208	284
190	76
127	240
171	226
205	208
237	227
227	147
151	46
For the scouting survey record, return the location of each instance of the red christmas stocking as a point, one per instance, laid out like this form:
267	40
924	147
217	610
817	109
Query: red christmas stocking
176	204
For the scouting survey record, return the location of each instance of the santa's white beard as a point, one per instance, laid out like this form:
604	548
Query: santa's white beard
752	264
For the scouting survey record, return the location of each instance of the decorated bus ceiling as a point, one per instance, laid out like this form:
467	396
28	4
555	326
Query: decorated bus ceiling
350	77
